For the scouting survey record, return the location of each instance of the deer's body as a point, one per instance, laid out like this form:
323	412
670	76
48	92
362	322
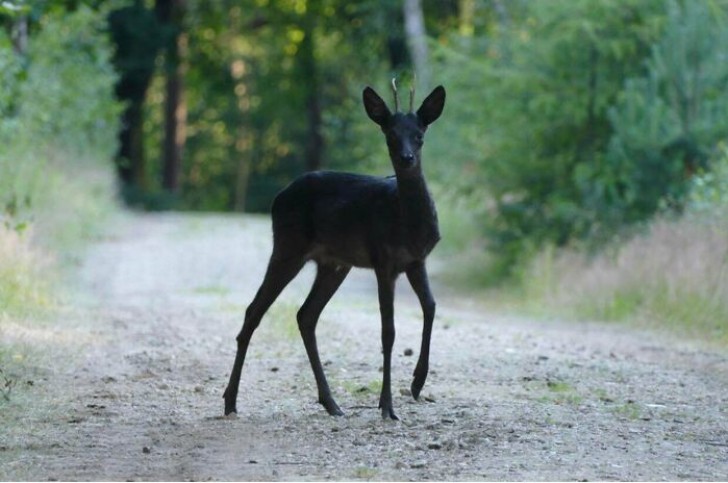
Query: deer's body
343	220
350	220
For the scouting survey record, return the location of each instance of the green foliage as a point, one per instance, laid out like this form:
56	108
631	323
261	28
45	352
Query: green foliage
556	74
709	189
65	97
253	70
10	70
668	124
59	102
58	130
580	118
13	9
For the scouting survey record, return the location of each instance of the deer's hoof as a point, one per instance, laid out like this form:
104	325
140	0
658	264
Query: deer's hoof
389	414
332	408
416	387
230	406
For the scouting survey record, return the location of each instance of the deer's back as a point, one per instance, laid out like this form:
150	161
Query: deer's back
343	218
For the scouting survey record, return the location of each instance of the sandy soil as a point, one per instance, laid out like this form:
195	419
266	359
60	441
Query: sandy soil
507	398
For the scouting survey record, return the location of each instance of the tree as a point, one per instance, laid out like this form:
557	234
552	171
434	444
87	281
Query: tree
668	123
138	36
309	77
414	24
548	105
171	13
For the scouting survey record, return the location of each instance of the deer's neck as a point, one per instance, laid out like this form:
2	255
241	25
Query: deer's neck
419	217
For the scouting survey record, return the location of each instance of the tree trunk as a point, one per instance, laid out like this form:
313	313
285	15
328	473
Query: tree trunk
131	163
20	35
171	12
414	24
134	58
245	154
175	121
397	50
314	141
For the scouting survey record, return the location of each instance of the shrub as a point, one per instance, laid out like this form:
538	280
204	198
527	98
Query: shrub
58	124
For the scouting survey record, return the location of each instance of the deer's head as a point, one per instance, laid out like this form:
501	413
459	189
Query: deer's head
405	132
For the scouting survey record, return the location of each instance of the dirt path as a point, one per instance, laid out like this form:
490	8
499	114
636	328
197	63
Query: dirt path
507	398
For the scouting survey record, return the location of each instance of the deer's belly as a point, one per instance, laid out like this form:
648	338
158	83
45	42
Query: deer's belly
350	255
396	258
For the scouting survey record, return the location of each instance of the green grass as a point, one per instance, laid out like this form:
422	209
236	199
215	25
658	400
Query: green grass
365	473
361	390
628	410
559	387
280	320
26	276
214	290
673	276
560	392
602	395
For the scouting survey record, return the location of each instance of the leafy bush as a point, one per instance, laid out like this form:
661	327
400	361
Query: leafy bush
65	98
566	148
668	124
709	189
58	132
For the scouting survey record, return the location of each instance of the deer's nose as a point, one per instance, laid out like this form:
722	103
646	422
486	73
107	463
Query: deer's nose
408	158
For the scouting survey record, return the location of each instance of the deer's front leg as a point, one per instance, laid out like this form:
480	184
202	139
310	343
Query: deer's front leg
385	282
417	276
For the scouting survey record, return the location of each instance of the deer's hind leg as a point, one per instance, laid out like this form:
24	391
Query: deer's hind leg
279	273
328	280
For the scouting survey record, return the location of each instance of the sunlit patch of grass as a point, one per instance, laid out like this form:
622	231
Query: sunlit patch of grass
602	395
561	392
280	320
361	390
215	290
233	307
622	305
675	275
365	472
559	386
25	275
628	410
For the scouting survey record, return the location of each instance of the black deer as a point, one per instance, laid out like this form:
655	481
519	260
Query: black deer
342	220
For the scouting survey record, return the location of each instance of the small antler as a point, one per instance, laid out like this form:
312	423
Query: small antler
394	91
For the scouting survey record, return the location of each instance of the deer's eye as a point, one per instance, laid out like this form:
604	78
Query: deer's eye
419	138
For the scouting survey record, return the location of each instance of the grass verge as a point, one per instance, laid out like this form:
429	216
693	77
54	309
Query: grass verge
674	275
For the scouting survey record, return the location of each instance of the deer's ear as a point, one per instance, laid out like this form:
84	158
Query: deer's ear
432	106
376	108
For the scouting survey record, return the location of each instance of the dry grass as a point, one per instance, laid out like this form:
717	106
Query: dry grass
676	275
25	274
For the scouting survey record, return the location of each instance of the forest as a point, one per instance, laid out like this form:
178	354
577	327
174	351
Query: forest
576	134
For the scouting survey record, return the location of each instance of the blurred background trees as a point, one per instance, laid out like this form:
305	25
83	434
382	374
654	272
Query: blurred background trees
568	121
